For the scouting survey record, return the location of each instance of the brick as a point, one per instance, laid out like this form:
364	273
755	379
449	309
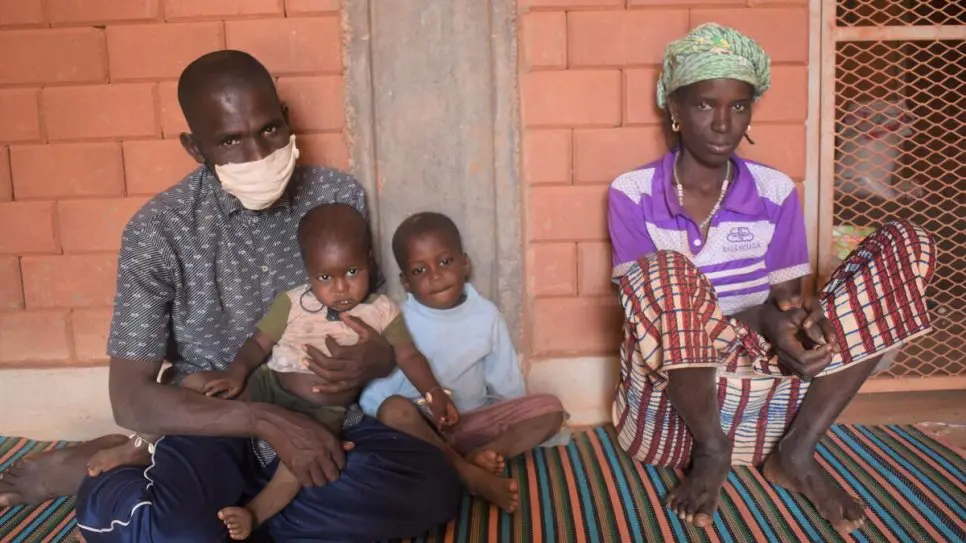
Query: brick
21	12
99	11
780	146
155	165
782	32
302	45
315	103
102	111
567	213
552	269
11	288
324	150
547	156
685	3
173	122
594	268
571	4
193	9
302	7
64	55
90	329
66	170
622	38
545	39
160	51
787	99
28	227
640	96
95	225
34	336
91	283
6	184
754	3
601	154
572	98
576	325
19	111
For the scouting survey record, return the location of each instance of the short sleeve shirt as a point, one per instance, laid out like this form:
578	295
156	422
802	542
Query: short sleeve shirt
197	270
756	240
296	318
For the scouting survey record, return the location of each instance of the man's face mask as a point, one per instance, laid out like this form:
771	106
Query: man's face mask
259	184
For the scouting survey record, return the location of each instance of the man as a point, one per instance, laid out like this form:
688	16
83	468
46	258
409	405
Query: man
199	264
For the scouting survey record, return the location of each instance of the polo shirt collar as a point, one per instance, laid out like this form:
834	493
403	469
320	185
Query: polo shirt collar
742	195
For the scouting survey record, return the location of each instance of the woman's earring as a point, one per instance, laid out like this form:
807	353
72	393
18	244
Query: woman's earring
747	137
675	127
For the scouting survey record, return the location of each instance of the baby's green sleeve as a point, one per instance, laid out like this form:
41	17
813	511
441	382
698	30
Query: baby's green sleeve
276	319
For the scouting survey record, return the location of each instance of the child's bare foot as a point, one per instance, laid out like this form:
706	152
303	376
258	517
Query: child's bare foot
238	520
500	491
488	460
696	499
802	474
125	454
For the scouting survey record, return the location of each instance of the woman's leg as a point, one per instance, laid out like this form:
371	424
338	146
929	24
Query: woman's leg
668	410
875	301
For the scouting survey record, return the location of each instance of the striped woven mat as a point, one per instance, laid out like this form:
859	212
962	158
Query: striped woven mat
915	489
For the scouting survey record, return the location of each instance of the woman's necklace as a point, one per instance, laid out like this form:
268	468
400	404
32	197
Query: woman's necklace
680	190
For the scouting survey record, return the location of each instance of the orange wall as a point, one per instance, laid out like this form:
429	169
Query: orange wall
588	72
89	126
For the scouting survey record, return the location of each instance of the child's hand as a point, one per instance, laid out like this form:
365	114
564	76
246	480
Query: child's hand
444	410
224	384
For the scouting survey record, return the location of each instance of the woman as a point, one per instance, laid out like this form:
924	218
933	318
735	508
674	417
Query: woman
722	362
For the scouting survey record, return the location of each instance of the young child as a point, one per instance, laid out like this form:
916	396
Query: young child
469	348
336	250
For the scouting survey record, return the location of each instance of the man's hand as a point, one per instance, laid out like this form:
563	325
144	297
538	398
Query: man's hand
351	366
790	331
309	450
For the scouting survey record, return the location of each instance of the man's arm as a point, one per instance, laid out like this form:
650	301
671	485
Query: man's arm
142	404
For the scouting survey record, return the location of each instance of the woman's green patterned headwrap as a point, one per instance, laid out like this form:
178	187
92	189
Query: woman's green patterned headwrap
712	51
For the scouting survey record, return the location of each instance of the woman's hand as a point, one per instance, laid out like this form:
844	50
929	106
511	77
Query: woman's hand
804	340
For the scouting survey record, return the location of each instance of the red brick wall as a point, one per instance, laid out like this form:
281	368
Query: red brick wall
588	72
89	126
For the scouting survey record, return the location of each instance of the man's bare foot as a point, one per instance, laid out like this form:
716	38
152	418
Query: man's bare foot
488	460
42	476
125	454
238	520
696	499
500	491
802	474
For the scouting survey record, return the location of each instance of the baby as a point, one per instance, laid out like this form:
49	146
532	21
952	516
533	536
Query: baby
336	249
469	348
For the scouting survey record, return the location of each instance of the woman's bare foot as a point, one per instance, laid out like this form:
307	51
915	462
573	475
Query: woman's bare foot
40	477
800	473
239	521
500	491
488	460
696	499
125	454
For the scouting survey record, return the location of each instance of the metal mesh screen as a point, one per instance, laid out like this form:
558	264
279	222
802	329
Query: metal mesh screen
901	12
900	123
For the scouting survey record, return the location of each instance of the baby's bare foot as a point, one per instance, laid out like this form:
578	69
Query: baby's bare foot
500	491
238	520
488	460
125	454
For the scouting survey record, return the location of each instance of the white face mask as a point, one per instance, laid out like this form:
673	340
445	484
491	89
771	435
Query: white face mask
261	183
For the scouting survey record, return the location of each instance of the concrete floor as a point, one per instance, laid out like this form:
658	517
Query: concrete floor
941	414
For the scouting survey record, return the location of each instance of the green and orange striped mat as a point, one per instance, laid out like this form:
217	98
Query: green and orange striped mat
589	490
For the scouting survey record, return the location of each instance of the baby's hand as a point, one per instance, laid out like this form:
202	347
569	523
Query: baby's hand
224	384
444	410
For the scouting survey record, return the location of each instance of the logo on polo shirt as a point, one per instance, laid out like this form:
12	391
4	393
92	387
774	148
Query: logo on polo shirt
740	234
